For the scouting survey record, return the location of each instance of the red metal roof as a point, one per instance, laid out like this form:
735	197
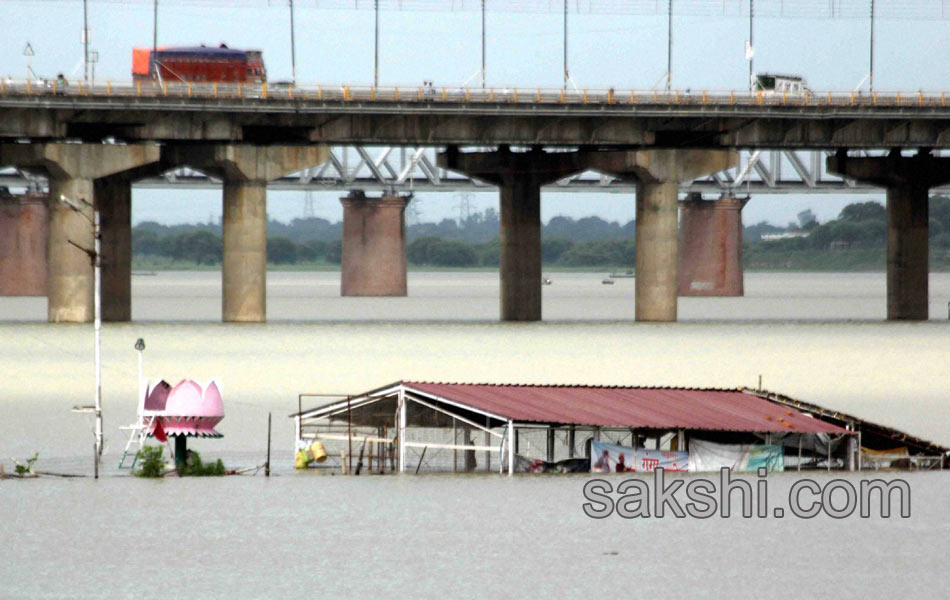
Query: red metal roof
638	407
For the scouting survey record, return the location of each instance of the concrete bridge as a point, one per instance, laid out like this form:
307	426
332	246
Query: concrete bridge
93	143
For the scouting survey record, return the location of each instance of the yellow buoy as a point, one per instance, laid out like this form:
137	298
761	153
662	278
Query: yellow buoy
318	451
301	460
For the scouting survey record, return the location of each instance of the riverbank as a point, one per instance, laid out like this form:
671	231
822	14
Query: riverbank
756	259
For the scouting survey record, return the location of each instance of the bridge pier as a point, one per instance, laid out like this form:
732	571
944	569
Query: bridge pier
519	175
658	174
710	246
245	171
374	245
24	230
114	195
908	181
73	171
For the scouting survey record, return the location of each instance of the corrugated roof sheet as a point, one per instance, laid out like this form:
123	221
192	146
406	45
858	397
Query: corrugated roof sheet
637	407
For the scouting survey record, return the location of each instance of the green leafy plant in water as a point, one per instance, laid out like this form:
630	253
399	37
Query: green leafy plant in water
27	469
151	461
193	467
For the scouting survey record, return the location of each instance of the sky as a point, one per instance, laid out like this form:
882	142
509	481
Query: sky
523	50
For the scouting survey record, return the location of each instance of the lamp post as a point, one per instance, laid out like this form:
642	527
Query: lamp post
140	347
95	256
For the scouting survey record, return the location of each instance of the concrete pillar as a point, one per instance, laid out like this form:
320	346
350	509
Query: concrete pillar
72	170
656	228
114	197
710	246
245	171
519	175
24	231
244	259
908	246
658	174
908	181
520	249
374	246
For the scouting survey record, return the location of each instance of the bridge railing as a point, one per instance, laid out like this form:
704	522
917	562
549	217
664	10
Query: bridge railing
464	95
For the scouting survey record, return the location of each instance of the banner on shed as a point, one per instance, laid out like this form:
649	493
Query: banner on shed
709	456
613	458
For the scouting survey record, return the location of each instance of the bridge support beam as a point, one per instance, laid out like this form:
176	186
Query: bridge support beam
908	181
710	246
245	171
658	174
519	175
72	170
374	245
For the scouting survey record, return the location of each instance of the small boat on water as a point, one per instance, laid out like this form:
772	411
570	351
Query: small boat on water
545	281
626	274
608	281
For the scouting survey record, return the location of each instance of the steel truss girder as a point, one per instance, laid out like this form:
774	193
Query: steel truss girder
402	170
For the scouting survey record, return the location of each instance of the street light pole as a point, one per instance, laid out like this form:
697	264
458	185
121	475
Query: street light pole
566	73
376	47
140	348
154	27
85	39
293	47
96	255
669	47
751	50
871	71
97	262
483	44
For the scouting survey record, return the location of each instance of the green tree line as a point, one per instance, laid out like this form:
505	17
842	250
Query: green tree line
588	242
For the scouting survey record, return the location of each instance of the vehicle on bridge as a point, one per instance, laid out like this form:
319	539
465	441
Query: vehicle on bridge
770	84
198	64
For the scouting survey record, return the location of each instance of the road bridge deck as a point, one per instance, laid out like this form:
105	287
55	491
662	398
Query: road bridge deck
342	114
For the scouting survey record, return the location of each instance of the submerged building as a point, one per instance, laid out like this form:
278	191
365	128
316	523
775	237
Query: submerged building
421	426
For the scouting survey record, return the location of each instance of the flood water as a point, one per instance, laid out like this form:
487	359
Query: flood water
818	337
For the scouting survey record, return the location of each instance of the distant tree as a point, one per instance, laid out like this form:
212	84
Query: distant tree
145	242
313	250
418	250
452	253
753	233
552	249
443	253
202	247
281	251
335	252
863	211
489	253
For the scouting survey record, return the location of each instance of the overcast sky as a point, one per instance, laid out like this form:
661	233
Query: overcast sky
524	50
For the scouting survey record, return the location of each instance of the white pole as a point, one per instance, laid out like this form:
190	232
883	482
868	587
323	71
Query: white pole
483	44
293	47
98	322
511	448
141	398
751	46
85	40
669	47
871	57
376	49
566	73
402	431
